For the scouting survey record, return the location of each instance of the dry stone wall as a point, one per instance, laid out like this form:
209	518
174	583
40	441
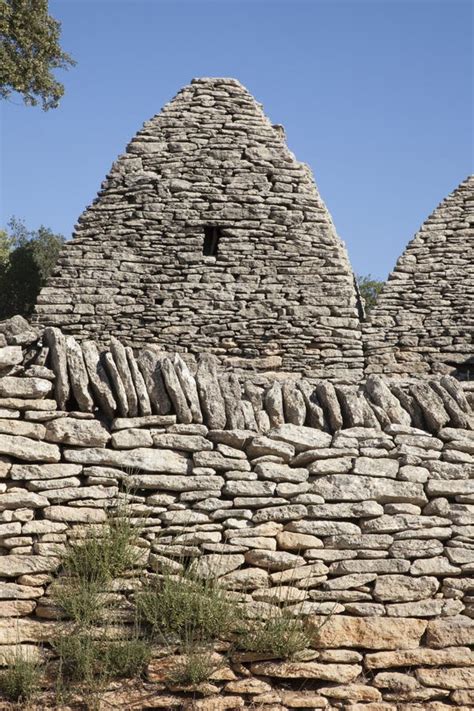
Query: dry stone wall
276	292
423	322
368	529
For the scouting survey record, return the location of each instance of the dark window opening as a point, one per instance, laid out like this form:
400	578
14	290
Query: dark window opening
212	236
159	301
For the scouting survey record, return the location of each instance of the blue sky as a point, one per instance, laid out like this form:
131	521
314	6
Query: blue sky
375	95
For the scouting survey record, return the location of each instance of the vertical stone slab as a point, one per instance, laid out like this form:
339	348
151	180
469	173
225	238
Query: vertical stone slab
100	383
78	375
56	343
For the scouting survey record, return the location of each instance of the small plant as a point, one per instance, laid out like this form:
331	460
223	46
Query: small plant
186	607
21	680
193	668
80	656
279	635
127	658
90	564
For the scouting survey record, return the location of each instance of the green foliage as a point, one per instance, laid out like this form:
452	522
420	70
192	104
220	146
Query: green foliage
90	564
279	635
182	606
193	668
87	658
369	289
30	52
127	658
27	258
21	680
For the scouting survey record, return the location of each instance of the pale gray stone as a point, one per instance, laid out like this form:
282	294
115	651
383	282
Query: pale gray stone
189	387
129	439
301	438
35	388
150	367
210	396
140	459
327	396
273	560
293	403
28	449
263	446
343	487
24	429
144	404
280	473
78	376
403	588
84	433
10	355
216	566
274	404
28	472
99	381
176	483
120	394
376	467
56	342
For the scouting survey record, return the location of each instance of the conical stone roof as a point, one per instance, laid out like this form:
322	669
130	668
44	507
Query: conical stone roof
209	236
423	322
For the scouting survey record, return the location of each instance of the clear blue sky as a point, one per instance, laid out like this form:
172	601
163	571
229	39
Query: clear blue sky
375	95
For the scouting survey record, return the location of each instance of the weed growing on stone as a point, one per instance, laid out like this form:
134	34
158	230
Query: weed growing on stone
194	667
185	608
280	635
21	680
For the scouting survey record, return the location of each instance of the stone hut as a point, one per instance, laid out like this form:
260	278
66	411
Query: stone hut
209	236
423	322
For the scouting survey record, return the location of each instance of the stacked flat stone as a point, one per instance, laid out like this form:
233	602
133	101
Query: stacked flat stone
118	383
423	322
279	293
369	530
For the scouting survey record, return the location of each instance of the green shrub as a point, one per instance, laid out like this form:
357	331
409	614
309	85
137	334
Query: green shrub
80	656
127	658
193	668
83	657
89	565
279	635
106	554
185	607
21	680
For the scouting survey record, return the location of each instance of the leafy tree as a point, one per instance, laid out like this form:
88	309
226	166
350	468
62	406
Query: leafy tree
27	258
369	289
30	51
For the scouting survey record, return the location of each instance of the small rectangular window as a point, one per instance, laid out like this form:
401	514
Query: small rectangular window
212	235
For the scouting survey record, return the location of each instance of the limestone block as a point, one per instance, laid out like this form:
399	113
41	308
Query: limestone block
326	394
150	367
148	460
28	449
69	514
274	404
189	387
83	433
448	632
452	678
144	404
56	342
302	438
24	429
10	355
20	472
35	388
99	381
273	560
210	395
11	566
17	331
342	487
293	404
366	632
340	673
78	375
